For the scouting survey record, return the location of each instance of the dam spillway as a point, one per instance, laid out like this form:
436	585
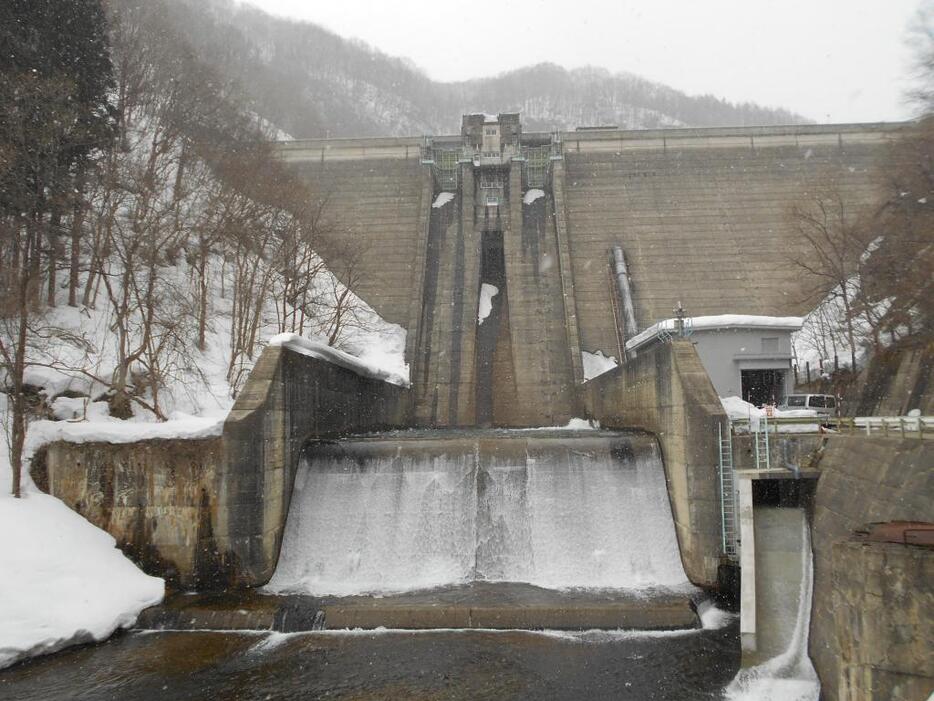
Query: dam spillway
419	510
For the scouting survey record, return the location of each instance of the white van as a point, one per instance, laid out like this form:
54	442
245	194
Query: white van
823	404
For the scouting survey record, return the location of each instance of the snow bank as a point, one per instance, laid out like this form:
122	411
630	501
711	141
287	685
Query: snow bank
487	293
63	580
110	430
532	195
442	199
596	364
720	321
329	354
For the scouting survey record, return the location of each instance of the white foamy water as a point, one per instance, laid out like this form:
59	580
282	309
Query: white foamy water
789	676
556	514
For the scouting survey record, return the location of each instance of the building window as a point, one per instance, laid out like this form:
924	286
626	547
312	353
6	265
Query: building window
490	181
770	345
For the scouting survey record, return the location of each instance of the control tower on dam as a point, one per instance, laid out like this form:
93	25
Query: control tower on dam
504	254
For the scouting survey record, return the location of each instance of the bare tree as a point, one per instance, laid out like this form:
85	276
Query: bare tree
835	240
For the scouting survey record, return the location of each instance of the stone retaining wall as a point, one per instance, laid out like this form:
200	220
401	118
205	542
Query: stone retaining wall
865	480
157	498
883	598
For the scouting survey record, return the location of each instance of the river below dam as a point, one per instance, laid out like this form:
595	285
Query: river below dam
386	665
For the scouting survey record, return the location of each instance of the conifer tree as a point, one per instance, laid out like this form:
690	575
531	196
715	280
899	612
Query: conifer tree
55	115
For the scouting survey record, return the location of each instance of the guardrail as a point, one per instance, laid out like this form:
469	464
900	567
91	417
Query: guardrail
900	426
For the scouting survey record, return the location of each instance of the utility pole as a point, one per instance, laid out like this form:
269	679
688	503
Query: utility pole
679	319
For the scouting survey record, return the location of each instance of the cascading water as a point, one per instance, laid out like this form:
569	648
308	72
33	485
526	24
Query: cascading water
396	514
789	676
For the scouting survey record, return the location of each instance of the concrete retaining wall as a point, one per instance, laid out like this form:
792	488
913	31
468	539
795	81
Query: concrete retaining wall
883	600
666	391
210	513
866	480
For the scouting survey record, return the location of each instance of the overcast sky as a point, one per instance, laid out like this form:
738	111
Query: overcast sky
830	60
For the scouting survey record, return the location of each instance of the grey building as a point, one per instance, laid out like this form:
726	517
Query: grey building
745	356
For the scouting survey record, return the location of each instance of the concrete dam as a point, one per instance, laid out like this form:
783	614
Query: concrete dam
699	215
461	501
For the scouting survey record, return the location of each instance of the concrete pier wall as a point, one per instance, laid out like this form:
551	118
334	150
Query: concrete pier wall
541	353
444	366
883	599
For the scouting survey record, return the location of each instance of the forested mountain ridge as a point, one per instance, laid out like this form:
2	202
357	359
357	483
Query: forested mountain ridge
311	82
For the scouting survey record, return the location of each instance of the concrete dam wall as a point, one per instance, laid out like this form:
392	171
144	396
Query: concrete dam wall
702	216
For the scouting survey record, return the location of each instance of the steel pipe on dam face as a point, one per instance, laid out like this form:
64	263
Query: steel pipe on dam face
409	511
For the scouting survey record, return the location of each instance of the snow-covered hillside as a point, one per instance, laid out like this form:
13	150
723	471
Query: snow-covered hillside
314	83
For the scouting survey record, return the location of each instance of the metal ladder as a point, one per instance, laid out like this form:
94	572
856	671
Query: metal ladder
761	439
727	493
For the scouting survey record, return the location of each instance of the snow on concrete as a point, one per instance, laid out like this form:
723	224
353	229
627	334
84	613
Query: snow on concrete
532	195
322	351
719	321
105	429
487	293
738	409
442	199
596	364
575	424
63	580
380	346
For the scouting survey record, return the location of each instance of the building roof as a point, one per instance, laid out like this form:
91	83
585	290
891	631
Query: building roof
715	323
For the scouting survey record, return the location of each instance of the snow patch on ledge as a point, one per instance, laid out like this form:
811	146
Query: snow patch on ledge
572	425
329	354
596	364
719	321
487	293
442	199
109	430
532	195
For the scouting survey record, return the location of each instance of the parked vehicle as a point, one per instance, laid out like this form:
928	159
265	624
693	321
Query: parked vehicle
823	404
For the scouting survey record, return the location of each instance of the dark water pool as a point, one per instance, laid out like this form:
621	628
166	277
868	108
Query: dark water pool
363	666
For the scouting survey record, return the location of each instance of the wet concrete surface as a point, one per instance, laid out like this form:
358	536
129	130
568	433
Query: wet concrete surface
497	605
366	666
